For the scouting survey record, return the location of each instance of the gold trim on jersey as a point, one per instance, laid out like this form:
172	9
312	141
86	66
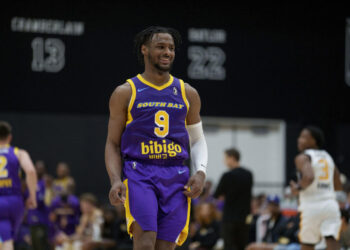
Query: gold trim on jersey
337	237
184	233
132	100
16	151
129	218
165	85
183	92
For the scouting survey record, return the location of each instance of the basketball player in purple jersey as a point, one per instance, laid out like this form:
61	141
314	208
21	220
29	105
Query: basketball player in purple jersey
11	201
154	119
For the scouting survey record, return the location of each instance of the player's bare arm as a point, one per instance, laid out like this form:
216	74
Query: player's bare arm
31	177
336	180
303	165
118	105
195	184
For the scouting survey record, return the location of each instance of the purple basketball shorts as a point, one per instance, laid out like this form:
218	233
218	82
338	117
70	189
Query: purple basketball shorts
11	215
155	199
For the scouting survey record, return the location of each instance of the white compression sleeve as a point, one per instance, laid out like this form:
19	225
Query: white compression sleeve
199	150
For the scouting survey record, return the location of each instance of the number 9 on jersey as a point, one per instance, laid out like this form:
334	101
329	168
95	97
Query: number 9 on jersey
161	119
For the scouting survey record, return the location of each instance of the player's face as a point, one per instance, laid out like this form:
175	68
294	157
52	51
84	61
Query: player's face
305	140
161	51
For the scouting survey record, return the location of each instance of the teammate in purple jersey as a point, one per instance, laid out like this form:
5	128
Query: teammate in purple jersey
154	119
11	201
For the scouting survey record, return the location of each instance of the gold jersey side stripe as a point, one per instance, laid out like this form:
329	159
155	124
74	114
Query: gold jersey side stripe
132	100
183	92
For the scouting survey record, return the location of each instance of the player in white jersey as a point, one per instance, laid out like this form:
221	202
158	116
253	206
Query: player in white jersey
319	178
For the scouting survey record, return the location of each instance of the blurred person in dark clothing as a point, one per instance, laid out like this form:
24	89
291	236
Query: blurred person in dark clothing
277	222
114	227
235	187
291	230
38	218
208	231
109	222
281	233
124	242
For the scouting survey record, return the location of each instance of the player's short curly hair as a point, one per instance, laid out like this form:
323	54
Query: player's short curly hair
147	34
5	130
317	134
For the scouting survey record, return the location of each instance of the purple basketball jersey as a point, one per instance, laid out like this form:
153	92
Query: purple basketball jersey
10	183
155	131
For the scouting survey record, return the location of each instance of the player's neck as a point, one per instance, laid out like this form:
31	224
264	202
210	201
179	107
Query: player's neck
313	148
156	77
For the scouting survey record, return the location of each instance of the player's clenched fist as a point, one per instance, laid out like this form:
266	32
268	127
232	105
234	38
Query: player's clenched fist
195	185
117	194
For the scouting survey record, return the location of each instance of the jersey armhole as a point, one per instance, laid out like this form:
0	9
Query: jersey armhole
131	102
308	155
